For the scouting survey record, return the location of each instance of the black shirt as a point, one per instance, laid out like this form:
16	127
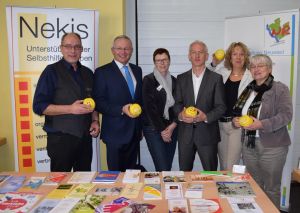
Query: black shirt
231	95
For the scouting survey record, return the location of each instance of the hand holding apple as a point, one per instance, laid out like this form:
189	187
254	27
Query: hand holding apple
219	54
135	110
90	102
245	120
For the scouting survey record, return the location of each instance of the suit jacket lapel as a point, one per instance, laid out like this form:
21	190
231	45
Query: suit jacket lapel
190	86
135	76
121	77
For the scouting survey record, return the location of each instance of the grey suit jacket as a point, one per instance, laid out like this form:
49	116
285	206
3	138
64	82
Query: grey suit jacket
210	100
275	114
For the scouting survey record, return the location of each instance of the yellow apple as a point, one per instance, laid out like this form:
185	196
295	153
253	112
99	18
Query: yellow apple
135	109
191	112
90	102
245	120
220	54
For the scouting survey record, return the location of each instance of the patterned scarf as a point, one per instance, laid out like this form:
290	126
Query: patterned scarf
166	83
249	135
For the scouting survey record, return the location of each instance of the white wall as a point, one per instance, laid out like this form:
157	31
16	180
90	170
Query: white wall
174	24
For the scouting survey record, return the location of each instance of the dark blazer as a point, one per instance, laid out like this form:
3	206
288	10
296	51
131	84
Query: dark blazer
111	93
210	100
154	100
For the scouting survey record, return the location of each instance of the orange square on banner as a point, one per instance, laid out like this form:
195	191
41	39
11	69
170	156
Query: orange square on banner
25	137
23	85
25	125
26	150
27	162
24	111
23	99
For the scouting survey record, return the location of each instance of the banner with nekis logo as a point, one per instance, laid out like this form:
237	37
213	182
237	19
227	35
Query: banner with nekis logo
34	36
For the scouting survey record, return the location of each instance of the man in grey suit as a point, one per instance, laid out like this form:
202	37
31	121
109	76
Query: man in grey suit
203	89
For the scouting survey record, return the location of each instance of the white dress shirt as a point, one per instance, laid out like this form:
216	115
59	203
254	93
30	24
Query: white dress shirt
247	105
196	83
120	65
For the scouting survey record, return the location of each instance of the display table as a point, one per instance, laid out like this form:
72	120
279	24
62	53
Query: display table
161	206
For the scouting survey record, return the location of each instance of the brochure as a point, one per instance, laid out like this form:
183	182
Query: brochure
203	178
55	178
18	202
132	190
81	177
33	182
45	206
173	190
235	189
173	176
152	178
114	205
205	206
106	177
152	192
178	205
88	204
61	191
194	190
240	205
138	208
81	190
12	184
109	191
65	205
131	176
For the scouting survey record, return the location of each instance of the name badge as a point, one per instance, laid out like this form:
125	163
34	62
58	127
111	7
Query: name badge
159	88
240	169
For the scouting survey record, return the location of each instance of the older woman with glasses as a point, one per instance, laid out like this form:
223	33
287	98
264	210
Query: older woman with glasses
159	119
236	77
266	140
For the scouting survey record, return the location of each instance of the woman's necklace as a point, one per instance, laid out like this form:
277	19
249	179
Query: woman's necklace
236	75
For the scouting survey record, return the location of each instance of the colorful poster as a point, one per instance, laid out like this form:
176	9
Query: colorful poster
34	36
275	34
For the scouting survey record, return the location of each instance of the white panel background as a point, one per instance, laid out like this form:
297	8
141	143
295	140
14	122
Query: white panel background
174	24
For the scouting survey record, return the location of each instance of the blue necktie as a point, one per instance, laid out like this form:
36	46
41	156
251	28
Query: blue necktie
129	81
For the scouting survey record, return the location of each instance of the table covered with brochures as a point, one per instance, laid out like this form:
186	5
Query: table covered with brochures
132	191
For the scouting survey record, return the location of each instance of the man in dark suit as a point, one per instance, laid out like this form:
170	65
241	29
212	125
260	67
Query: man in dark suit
204	90
117	85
